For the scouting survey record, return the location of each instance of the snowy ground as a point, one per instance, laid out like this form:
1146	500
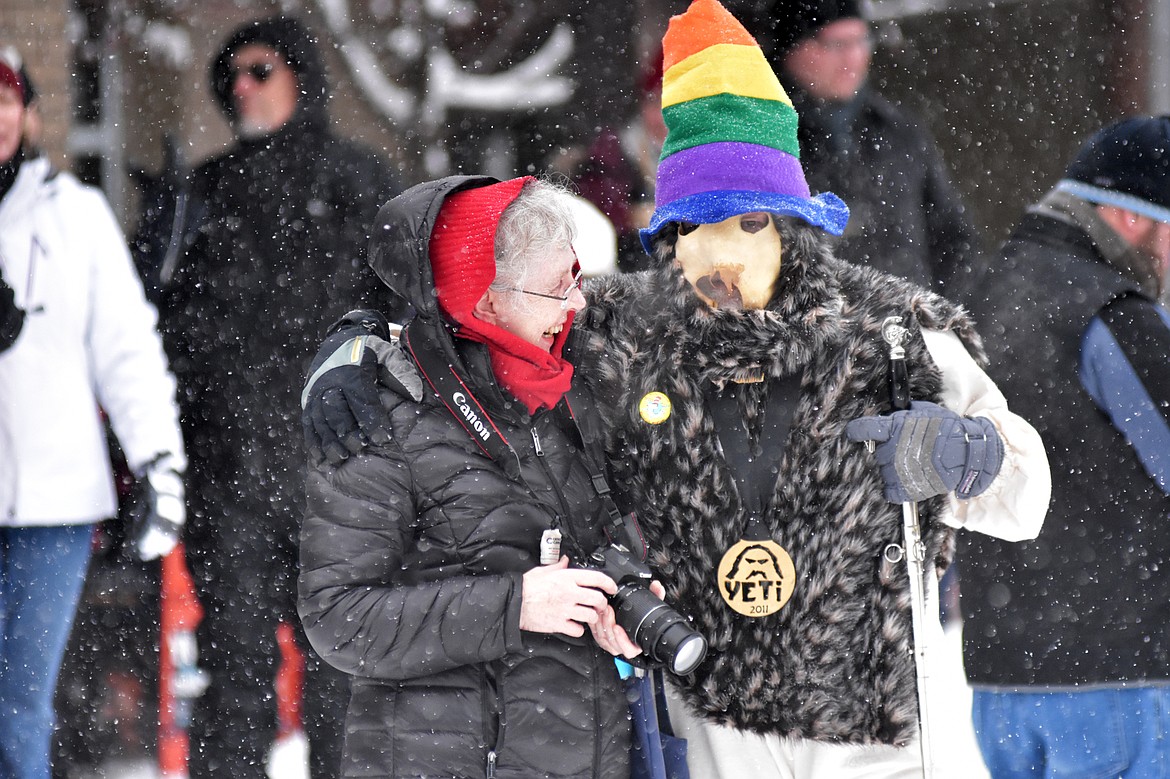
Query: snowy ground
287	760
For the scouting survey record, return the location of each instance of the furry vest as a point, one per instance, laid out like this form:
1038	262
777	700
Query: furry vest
833	664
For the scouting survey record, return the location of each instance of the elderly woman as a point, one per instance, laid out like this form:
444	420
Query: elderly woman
420	571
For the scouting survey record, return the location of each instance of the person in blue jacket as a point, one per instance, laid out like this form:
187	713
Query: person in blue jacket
1065	638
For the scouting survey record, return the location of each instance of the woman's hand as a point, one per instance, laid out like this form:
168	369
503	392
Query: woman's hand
559	599
612	637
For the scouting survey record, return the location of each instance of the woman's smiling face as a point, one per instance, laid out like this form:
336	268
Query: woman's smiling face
539	311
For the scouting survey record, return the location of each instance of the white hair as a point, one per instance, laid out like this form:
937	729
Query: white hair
537	222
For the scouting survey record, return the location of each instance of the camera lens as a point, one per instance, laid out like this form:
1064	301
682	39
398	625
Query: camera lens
661	631
691	651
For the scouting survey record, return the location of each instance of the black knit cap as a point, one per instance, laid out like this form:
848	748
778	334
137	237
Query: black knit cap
778	25
1127	165
293	41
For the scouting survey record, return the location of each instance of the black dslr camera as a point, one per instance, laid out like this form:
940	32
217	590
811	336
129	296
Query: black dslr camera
662	632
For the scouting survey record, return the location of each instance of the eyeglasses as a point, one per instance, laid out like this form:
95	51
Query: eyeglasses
573	286
257	71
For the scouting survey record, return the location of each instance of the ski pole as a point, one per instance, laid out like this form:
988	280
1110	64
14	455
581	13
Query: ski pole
895	335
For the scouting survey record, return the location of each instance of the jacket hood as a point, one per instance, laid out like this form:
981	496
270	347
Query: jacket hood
400	248
299	48
400	256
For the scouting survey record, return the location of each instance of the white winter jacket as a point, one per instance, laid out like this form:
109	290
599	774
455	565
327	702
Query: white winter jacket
89	340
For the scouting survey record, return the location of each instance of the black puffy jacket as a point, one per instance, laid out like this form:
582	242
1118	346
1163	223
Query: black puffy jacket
412	557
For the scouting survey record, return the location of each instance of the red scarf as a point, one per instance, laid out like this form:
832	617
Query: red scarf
536	378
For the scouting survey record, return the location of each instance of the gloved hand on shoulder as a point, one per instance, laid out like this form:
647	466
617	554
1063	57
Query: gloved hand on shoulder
158	512
342	413
929	450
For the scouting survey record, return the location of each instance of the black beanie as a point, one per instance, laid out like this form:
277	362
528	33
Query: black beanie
778	25
1127	165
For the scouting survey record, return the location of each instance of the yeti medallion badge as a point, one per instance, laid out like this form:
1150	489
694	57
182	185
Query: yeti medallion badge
756	577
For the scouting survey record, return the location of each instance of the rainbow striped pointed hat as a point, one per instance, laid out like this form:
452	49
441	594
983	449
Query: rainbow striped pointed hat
731	131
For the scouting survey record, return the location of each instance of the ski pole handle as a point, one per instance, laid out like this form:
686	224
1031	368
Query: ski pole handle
894	333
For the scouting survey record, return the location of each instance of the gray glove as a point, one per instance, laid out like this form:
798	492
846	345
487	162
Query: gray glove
158	512
928	450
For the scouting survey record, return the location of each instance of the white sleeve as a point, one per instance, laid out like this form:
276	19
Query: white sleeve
131	377
1013	507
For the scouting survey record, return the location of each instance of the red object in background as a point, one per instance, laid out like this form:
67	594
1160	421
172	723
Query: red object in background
289	678
180	614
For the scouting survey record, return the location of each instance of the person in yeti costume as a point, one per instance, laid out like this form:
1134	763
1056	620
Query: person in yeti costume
738	384
740	378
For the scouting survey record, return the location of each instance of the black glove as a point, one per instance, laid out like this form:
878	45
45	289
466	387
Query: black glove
928	450
11	316
158	512
342	411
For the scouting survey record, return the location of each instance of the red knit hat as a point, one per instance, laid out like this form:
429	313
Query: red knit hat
463	245
463	264
10	77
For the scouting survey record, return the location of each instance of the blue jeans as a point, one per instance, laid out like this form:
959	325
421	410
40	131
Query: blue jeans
1093	734
42	570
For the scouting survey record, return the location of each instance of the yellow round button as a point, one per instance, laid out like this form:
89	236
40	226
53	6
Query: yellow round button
654	407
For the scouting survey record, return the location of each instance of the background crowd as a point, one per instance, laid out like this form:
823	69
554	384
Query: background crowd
244	261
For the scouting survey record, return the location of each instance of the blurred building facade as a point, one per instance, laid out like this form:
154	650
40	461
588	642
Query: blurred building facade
1008	88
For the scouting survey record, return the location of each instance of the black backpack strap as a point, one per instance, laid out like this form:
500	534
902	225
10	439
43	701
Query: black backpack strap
622	526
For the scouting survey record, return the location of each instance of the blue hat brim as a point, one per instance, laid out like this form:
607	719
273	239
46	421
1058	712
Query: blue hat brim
826	210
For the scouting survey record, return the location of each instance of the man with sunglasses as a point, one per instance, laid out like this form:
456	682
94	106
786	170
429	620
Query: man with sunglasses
274	234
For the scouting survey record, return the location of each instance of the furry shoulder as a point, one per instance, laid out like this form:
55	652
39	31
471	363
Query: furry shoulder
871	294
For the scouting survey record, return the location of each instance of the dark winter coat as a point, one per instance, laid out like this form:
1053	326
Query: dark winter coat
833	664
905	217
412	559
1088	601
276	250
11	316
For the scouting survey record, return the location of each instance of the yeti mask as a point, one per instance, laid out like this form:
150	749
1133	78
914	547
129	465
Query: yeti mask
731	264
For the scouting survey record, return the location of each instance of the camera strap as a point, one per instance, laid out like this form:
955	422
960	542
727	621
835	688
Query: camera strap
458	398
621	527
455	394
